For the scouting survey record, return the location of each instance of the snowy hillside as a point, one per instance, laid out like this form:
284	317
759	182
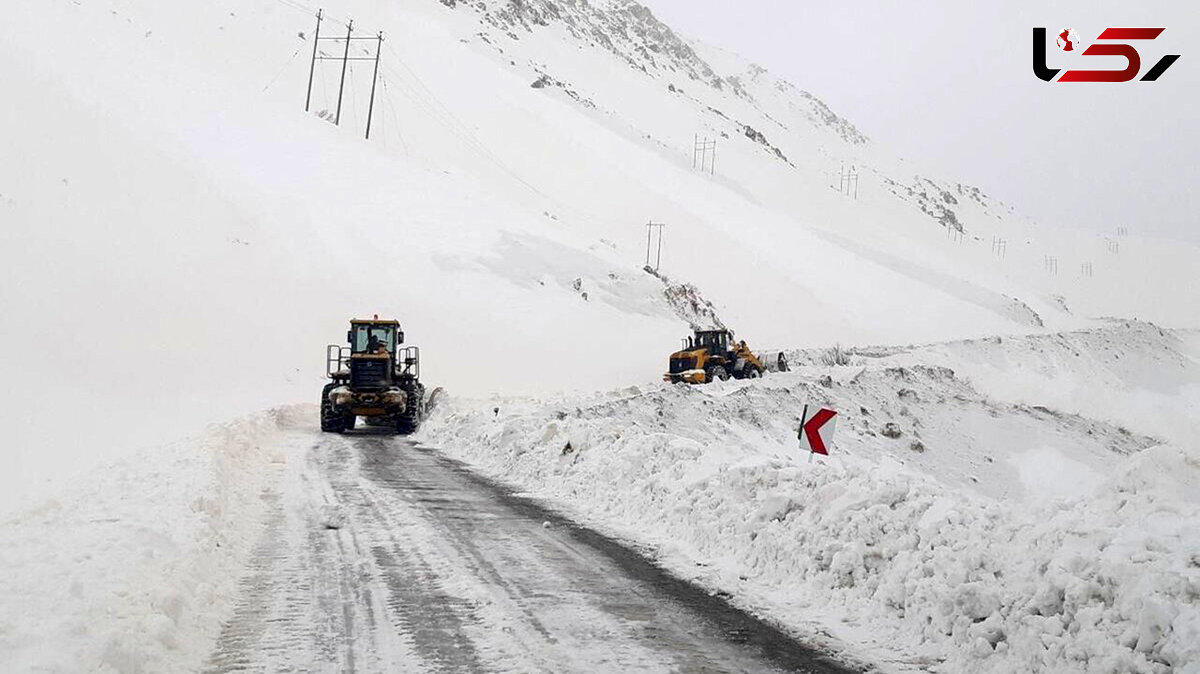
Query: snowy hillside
188	236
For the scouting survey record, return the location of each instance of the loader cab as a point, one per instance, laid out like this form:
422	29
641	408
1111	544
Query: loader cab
716	341
365	335
368	368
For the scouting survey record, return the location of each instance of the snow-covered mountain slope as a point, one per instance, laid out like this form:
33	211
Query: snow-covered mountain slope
965	522
779	144
180	234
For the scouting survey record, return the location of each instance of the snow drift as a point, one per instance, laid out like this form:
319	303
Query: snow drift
135	568
986	536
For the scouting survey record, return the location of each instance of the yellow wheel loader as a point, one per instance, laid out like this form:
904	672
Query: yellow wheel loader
713	354
374	378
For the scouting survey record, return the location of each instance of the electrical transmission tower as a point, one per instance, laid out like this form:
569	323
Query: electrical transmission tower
345	58
650	228
704	154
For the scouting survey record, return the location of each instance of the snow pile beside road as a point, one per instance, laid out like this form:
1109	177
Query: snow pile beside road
134	568
888	553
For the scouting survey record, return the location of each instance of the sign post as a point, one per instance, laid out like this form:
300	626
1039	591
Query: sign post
816	433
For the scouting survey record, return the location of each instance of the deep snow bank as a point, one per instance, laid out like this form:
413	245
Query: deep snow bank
135	568
951	544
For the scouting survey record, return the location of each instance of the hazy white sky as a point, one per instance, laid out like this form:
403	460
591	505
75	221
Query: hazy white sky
950	84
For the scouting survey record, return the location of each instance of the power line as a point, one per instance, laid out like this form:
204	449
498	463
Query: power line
285	65
353	106
387	97
310	11
422	96
325	91
429	101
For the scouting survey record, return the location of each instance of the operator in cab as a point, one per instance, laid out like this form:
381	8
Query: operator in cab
375	347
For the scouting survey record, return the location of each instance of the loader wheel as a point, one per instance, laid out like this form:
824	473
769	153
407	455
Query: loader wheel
752	372
717	372
331	421
409	420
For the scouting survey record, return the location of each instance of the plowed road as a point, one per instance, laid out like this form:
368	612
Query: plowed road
382	556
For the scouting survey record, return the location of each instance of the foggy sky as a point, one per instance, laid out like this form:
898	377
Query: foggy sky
950	85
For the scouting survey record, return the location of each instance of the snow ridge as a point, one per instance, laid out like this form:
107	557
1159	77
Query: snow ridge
135	567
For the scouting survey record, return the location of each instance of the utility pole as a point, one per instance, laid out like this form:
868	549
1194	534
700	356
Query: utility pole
658	256
345	58
337	119
312	67
848	181
374	79
1052	265
700	154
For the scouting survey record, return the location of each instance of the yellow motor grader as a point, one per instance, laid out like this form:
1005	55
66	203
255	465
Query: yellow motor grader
374	378
709	355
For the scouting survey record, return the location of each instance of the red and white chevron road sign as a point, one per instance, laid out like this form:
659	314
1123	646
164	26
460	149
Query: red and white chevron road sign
816	432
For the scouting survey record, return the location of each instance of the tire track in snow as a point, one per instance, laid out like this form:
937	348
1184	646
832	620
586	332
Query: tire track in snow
309	603
571	599
416	607
416	564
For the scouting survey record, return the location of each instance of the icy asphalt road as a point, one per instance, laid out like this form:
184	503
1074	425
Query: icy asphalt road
382	556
